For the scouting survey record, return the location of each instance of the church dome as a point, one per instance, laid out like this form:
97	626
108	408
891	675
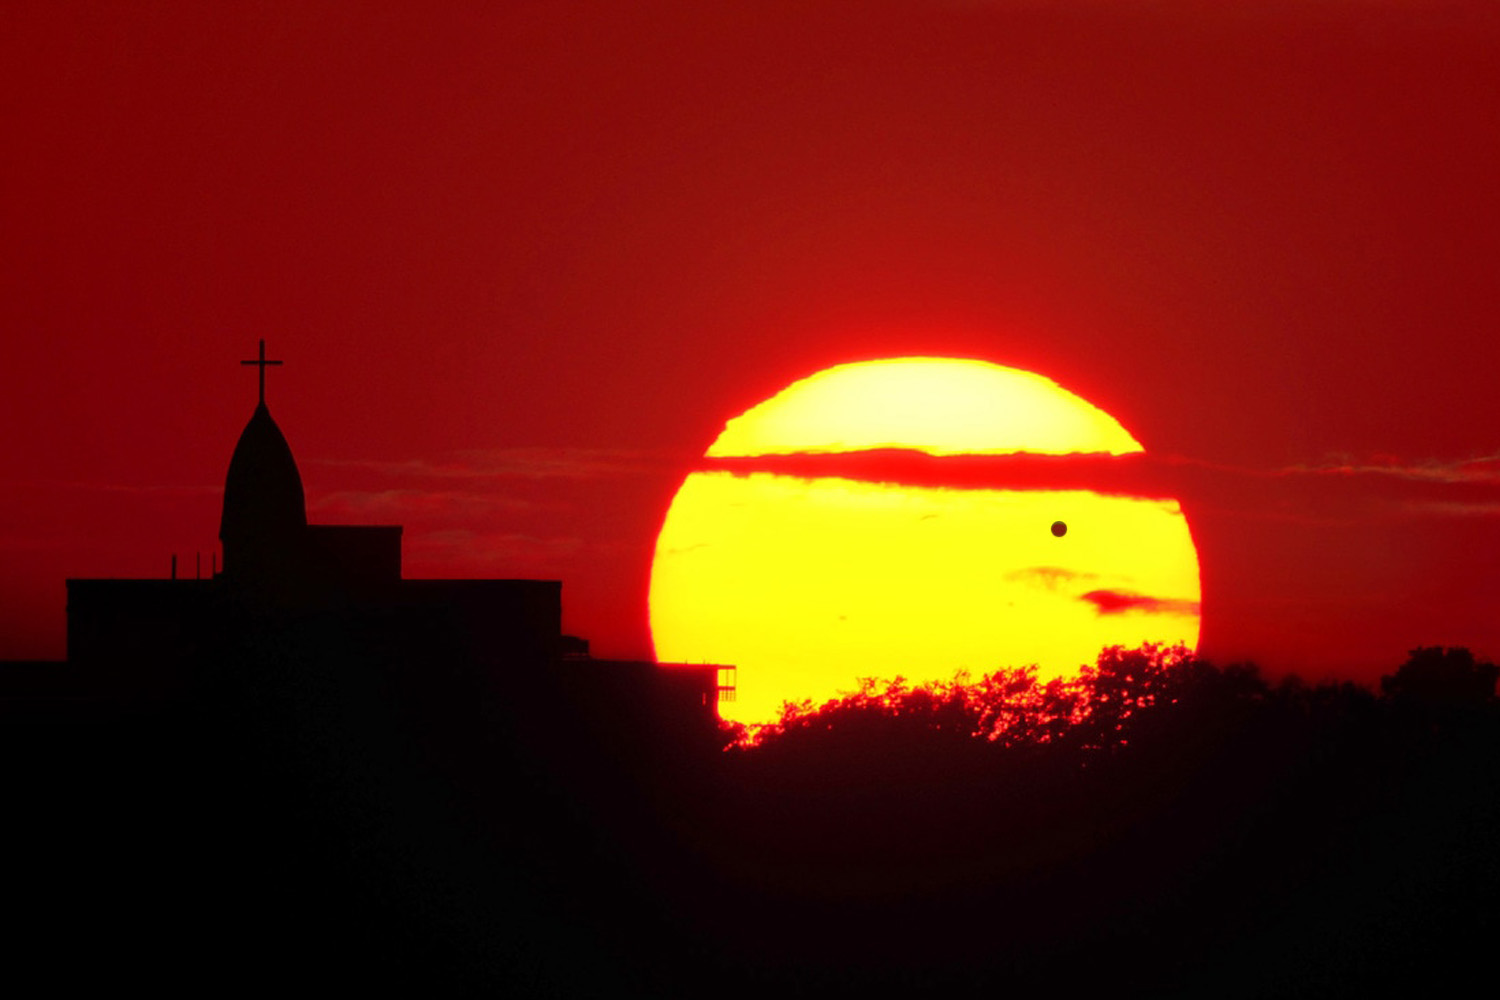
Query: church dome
263	499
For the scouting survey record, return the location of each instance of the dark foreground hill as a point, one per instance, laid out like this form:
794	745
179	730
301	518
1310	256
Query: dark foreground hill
1163	828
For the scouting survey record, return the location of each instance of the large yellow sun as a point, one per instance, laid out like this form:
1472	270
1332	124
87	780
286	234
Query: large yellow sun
808	584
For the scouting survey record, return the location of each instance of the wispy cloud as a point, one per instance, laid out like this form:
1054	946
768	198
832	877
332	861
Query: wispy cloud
525	489
1050	577
463	545
131	489
522	463
1483	470
1342	489
364	504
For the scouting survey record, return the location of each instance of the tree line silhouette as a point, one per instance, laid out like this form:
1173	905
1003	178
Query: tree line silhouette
1157	826
1125	696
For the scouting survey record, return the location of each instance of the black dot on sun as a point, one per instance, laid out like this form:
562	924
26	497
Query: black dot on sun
1059	528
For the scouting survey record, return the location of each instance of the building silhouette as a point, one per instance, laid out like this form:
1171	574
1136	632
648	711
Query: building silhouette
294	601
304	764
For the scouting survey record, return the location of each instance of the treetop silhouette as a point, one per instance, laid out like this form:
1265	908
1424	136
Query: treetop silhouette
1124	697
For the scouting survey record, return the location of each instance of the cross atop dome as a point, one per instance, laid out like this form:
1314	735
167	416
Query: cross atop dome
265	510
261	363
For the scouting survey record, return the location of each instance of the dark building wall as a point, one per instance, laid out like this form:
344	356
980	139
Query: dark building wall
453	675
436	631
35	691
486	620
355	553
135	639
641	706
463	640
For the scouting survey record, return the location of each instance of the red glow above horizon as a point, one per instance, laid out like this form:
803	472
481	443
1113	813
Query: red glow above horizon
521	264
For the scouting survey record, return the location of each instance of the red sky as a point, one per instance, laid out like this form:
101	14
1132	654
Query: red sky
523	261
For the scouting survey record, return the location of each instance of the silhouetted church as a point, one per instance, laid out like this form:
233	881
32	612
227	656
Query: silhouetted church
314	599
305	765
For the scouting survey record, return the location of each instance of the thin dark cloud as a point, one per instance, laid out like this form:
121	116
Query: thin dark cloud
1132	475
1119	602
1339	490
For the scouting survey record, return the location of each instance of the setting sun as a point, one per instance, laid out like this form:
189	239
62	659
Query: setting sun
808	583
940	406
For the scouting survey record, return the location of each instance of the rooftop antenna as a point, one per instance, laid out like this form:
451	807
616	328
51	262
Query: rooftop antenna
261	363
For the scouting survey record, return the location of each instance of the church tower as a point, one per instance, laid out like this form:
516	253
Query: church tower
264	524
302	605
